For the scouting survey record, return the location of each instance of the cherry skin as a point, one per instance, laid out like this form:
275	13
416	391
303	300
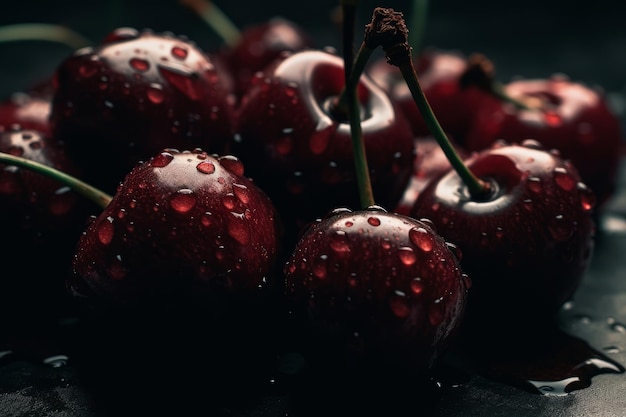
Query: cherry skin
528	245
377	288
133	95
565	115
43	220
300	152
184	226
430	161
440	73
28	110
259	45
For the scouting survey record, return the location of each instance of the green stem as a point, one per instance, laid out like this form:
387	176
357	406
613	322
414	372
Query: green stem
98	197
349	97
388	30
216	19
419	13
476	187
43	32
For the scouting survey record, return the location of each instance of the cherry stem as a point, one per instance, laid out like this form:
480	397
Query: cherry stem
43	32
480	73
388	30
98	197
419	12
216	19
349	97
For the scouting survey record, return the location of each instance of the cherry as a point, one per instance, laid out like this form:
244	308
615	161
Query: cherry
27	110
440	73
135	94
528	244
374	289
378	286
259	45
43	219
299	151
521	215
562	114
184	225
430	161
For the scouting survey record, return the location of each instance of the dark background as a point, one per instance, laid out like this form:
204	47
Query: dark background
529	39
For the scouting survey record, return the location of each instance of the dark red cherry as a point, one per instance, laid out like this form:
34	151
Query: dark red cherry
43	220
300	151
184	227
29	109
440	73
133	95
564	115
259	45
430	161
377	289
528	244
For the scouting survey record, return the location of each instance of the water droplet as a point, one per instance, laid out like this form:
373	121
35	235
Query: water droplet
406	255
338	242
89	68
238	228
399	304
283	145
421	238
374	221
417	286
560	228
319	266
179	52
183	200
139	64
456	251
155	93
534	184
205	219
232	164
162	160
184	81
206	167
564	179
229	201
318	142
242	193
105	230
587	197
466	280
552	118
56	361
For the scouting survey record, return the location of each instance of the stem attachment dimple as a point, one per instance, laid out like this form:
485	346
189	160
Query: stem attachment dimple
388	30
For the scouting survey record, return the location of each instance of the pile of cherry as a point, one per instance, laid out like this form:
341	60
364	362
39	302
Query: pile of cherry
234	194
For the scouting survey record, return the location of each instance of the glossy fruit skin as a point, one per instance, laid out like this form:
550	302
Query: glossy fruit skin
439	73
134	95
261	44
43	220
527	247
570	116
298	152
377	288
184	226
430	161
27	110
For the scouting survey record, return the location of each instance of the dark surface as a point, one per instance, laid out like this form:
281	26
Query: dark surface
113	367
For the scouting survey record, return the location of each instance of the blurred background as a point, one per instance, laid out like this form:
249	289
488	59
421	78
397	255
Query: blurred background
534	38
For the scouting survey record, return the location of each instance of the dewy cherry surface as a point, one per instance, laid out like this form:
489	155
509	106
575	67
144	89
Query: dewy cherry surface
182	226
528	245
562	114
135	94
300	152
379	287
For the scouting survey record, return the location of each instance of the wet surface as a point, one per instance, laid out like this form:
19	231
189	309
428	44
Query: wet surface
68	362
